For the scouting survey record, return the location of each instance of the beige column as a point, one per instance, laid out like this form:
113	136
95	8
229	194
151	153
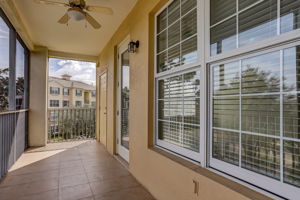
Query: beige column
38	97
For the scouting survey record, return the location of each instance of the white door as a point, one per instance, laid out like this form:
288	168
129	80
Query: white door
123	101
103	107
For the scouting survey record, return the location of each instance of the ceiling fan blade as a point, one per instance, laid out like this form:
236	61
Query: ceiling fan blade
100	9
92	21
64	19
52	3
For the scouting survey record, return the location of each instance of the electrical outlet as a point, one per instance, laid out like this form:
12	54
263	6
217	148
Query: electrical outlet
196	187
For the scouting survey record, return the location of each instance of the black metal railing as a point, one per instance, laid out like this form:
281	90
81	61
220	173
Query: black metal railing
71	124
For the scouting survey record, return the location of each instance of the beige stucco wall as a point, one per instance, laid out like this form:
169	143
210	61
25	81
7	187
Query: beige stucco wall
165	178
38	97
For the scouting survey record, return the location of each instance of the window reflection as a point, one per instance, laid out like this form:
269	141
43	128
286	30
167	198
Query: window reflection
20	71
179	110
290	15
4	66
258	22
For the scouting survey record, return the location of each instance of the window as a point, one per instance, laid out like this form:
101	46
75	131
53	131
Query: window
53	129
54	90
54	103
93	93
13	75
78	103
78	92
233	26
176	35
66	91
255	119
66	103
20	76
93	104
178	89
4	66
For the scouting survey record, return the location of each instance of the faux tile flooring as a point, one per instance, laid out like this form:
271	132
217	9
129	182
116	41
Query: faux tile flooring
70	171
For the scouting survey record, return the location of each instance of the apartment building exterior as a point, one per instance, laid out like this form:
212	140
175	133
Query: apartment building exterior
64	92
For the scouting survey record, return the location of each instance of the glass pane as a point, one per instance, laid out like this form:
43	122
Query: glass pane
20	71
261	114
226	146
261	74
291	115
163	89
187	5
291	69
4	65
125	89
220	9
174	34
175	86
226	79
223	37
290	15
162	62
180	109
245	3
258	22
164	110
191	137
189	25
261	155
226	112
191	85
162	21
189	51
162	41
173	11
191	111
291	163
174	57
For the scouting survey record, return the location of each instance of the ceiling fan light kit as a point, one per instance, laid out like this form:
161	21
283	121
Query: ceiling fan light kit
76	13
78	10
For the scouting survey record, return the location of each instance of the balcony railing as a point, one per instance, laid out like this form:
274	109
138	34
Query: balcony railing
71	124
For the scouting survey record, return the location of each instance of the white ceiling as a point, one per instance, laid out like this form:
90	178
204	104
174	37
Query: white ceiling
41	22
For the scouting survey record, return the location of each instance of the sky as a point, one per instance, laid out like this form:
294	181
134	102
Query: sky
79	70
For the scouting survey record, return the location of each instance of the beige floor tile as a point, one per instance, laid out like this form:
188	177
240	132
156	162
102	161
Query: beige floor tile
75	192
73	180
135	193
49	195
102	187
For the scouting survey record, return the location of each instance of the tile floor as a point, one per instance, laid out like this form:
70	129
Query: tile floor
69	171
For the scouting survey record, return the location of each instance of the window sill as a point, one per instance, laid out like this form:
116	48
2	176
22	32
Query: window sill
234	184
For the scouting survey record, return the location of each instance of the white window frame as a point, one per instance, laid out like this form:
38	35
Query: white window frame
197	157
278	42
275	186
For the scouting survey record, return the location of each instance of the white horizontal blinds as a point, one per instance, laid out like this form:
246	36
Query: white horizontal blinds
291	115
256	114
223	26
177	35
179	110
251	21
226	107
258	22
290	15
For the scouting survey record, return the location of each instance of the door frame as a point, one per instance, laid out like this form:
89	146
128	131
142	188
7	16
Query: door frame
120	150
99	106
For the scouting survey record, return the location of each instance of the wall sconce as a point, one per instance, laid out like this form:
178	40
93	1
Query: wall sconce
133	46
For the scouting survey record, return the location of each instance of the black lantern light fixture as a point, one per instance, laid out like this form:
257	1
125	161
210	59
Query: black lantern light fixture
133	46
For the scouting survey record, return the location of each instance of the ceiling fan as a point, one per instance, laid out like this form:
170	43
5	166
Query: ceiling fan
78	10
